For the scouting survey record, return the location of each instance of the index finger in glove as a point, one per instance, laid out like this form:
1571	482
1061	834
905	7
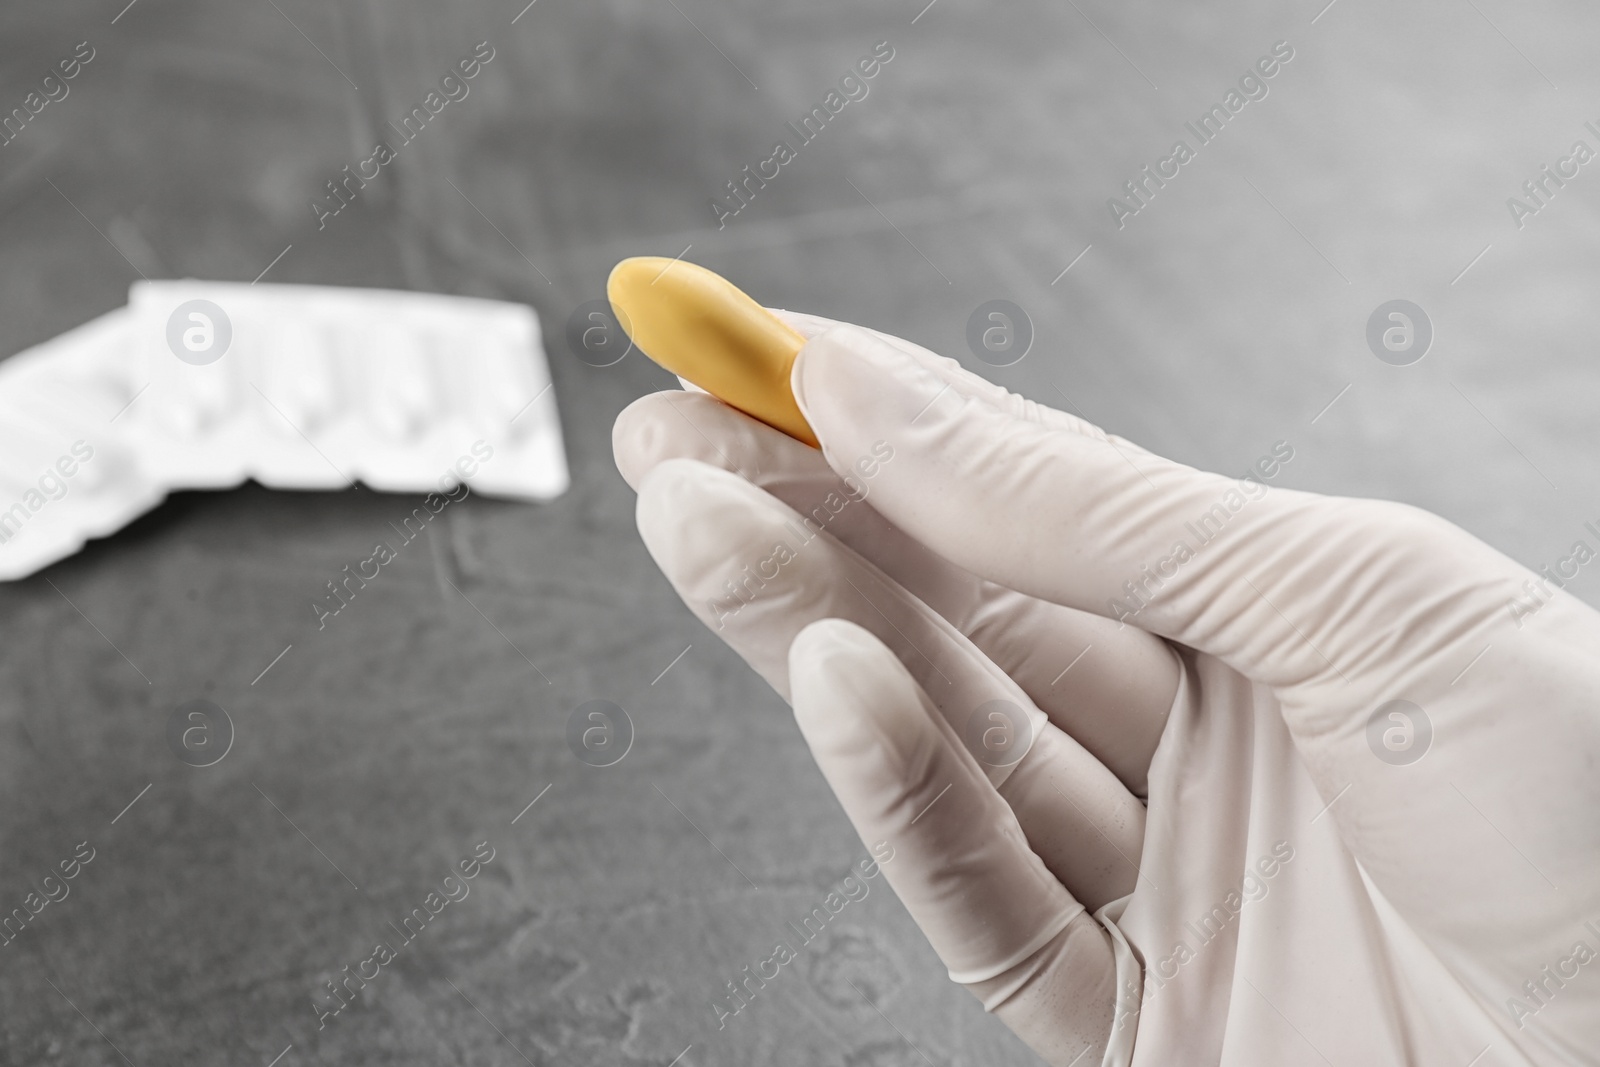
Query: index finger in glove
1109	687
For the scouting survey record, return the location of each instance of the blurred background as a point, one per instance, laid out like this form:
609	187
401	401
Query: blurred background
1229	314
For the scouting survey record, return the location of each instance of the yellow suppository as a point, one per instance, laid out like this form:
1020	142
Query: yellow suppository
703	328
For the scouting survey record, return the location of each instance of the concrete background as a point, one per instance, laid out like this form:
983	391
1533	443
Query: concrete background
1224	317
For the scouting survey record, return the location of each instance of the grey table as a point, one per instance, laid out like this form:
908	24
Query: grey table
1226	315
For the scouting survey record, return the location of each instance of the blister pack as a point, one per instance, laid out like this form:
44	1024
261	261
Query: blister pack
202	385
67	473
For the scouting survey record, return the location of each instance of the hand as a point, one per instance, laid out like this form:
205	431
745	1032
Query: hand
1003	631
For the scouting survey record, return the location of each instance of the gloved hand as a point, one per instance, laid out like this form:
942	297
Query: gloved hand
1002	629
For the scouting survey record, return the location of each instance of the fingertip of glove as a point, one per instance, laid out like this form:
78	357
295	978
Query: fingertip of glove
698	520
837	351
638	442
821	643
850	373
807	325
844	680
668	491
674	424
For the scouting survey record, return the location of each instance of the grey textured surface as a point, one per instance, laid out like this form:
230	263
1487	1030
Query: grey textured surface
1224	317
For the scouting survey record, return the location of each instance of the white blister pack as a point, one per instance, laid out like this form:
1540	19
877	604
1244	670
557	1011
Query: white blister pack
67	474
202	385
318	387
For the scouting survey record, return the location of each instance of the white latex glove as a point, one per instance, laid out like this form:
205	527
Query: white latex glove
1290	896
